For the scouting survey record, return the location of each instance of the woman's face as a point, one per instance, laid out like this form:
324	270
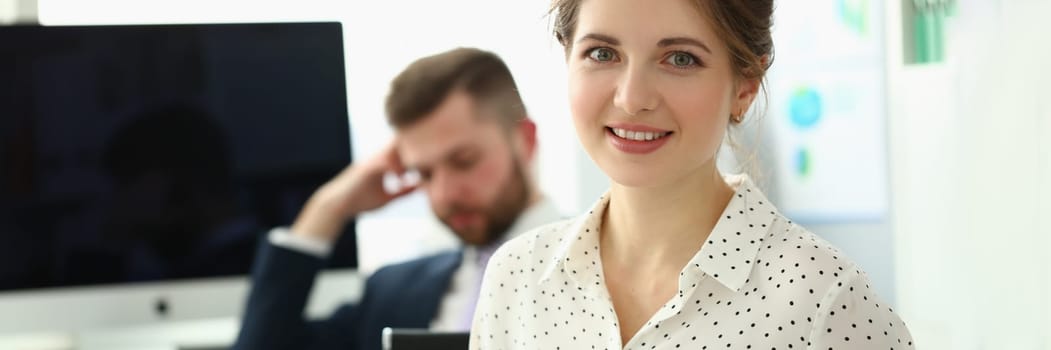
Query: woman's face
651	89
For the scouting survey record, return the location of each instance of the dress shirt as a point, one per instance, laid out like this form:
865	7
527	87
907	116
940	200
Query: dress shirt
759	282
457	306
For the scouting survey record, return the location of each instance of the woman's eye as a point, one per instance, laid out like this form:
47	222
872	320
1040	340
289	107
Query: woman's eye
682	59
601	54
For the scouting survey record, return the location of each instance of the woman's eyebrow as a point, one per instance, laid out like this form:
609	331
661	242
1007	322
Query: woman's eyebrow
600	37
663	43
683	41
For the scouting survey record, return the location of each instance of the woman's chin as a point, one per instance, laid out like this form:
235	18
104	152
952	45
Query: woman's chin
634	176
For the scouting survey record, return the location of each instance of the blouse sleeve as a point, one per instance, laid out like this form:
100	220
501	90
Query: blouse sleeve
851	317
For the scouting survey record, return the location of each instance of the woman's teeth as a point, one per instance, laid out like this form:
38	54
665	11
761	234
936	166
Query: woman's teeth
638	135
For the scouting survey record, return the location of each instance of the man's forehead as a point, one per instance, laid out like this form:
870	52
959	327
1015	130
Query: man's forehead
425	148
425	153
454	125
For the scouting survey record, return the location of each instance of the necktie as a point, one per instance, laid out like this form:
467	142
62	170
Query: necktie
481	260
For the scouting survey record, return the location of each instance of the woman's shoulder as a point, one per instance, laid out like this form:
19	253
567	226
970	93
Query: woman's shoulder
788	241
791	253
532	245
546	234
839	288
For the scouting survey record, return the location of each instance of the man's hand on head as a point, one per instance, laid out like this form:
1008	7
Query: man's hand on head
358	188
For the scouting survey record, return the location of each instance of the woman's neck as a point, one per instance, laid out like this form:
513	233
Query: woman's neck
662	227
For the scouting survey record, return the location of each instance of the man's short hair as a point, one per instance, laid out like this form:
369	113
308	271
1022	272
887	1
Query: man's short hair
425	83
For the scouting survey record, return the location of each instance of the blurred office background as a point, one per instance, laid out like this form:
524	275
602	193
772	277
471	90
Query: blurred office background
915	135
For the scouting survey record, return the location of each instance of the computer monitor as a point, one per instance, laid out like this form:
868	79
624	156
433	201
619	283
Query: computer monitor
141	165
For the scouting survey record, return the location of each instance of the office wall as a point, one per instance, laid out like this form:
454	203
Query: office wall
7	11
970	155
26	11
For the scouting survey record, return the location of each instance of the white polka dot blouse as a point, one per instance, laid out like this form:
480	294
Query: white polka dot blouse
759	282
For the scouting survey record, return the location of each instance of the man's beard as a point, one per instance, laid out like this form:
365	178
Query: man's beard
502	212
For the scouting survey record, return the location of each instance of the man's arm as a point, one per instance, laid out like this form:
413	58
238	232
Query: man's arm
282	279
288	263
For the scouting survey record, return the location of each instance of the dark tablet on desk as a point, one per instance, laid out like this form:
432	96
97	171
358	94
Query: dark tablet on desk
422	339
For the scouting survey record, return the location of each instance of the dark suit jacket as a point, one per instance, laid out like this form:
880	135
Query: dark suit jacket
405	295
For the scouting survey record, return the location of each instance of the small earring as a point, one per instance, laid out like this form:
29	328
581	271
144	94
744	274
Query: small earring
737	119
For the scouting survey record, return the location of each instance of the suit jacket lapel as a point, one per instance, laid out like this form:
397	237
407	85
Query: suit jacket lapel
437	276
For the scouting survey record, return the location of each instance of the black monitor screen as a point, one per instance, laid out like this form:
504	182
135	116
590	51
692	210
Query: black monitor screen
147	153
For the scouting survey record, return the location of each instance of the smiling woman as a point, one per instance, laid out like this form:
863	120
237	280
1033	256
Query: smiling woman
676	253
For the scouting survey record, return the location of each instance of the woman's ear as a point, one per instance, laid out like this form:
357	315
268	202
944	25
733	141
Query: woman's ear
747	89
